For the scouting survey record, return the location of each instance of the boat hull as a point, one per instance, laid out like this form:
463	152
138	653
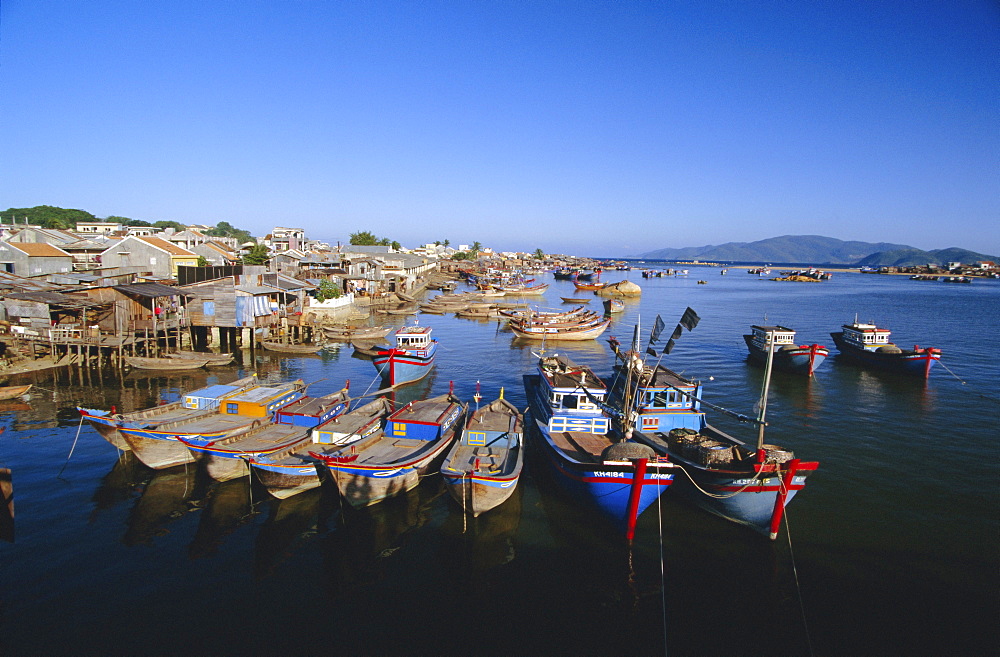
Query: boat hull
284	480
479	491
365	485
160	449
906	361
803	359
396	368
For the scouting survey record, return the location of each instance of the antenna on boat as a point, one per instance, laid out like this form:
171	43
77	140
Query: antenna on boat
761	417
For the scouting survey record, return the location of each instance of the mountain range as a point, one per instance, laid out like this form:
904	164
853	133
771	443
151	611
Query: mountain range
815	249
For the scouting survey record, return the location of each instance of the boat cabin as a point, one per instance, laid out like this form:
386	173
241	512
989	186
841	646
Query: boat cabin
572	396
414	338
762	336
209	397
423	420
866	336
309	411
261	401
666	401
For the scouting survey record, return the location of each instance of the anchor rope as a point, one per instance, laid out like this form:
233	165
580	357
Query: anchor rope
663	573
718	496
958	378
798	587
71	449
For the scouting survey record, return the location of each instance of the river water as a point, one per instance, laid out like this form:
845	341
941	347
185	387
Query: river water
891	549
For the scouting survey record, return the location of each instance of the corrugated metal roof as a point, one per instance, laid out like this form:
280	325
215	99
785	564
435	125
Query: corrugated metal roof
258	289
149	290
54	299
39	249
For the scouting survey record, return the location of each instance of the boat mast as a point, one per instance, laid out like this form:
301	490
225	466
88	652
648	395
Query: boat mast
763	398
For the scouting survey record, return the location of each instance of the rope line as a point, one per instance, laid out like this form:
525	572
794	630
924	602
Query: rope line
71	449
798	587
718	496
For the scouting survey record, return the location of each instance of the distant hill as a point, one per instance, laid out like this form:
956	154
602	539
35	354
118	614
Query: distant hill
818	250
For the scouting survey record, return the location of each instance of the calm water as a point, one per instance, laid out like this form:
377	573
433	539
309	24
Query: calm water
892	549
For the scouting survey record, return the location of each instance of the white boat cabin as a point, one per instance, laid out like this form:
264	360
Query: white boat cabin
572	395
762	336
866	336
413	338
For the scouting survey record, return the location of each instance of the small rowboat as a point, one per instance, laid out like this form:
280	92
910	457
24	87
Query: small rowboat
574	300
168	364
214	360
350	333
10	392
289	348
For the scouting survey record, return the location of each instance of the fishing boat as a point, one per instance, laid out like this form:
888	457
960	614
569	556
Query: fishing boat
588	287
574	300
12	392
410	359
351	333
482	468
612	306
390	462
165	364
788	356
288	472
196	403
573	432
161	447
228	457
869	345
291	348
577	332
214	360
744	483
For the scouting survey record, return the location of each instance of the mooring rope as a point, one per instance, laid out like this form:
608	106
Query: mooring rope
663	573
717	496
798	587
71	449
952	373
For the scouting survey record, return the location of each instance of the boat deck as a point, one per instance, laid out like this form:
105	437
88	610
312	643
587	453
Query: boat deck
478	459
266	439
428	412
209	424
390	449
581	446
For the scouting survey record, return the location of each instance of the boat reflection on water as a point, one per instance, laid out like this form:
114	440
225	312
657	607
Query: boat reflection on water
476	545
225	507
168	495
369	538
123	482
289	521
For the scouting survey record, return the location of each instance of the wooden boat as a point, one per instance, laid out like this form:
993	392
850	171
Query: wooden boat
536	332
214	360
589	287
228	457
788	356
483	467
166	364
369	348
410	359
11	392
525	290
161	447
586	460
193	404
289	348
574	300
869	345
350	333
392	461
747	484
612	306
291	471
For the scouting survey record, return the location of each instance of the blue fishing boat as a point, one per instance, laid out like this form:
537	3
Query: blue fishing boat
390	462
483	467
869	345
197	403
161	447
593	464
410	359
788	356
747	484
287	472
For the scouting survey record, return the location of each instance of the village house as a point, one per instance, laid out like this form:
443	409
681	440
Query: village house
159	257
98	227
33	258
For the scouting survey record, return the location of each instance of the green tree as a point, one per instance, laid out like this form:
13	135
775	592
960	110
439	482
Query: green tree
170	224
396	246
461	255
203	261
327	290
476	247
363	238
225	229
446	243
134	222
47	216
539	254
384	241
257	255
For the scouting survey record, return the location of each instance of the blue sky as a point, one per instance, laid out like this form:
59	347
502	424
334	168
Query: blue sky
599	128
